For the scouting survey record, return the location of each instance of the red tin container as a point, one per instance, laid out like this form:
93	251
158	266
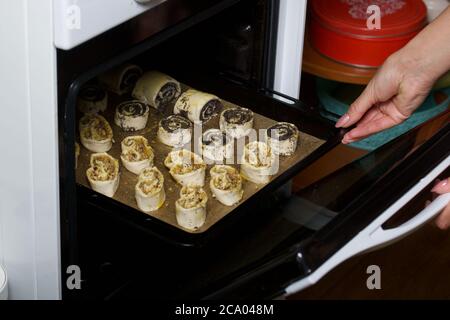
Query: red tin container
339	29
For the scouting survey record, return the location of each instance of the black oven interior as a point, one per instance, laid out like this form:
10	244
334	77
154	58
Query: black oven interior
226	47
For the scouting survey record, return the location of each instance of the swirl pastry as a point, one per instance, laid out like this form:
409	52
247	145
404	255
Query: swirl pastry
258	162
175	131
103	174
77	154
96	134
191	208
283	138
216	145
131	116
156	89
122	79
226	185
198	106
92	99
136	154
187	168
236	122
149	190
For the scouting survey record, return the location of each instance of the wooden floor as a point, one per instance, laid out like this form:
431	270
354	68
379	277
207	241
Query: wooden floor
417	267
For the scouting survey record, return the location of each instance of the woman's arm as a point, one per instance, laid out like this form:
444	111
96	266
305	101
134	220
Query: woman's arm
402	83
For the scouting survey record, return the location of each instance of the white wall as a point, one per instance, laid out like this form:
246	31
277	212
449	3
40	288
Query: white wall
291	29
29	209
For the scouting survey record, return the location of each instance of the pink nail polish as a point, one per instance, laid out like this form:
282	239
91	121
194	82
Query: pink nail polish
342	121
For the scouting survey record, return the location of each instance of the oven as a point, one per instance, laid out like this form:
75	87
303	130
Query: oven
282	239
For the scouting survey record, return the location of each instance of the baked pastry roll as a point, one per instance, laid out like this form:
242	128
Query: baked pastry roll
283	138
136	154
92	99
236	122
77	154
198	106
131	116
226	185
175	131
187	168
216	145
103	174
258	162
191	208
149	191
96	134
157	89
122	79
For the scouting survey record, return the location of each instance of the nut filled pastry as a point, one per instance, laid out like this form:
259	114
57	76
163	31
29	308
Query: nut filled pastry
236	122
216	145
157	89
149	191
131	115
136	154
258	163
175	131
92	99
191	208
226	185
187	168
283	138
198	106
96	134
103	174
122	79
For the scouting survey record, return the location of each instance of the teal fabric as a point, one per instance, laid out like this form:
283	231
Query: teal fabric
334	107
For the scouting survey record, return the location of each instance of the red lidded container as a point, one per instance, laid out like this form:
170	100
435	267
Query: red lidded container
339	29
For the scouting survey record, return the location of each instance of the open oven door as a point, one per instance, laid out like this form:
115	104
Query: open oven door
350	212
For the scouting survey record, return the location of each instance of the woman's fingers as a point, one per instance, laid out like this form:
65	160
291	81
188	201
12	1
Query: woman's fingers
443	221
358	108
377	119
442	187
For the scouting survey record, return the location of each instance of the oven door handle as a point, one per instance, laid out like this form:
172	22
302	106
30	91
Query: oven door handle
374	236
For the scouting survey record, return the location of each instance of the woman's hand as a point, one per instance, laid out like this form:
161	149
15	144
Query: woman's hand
443	221
396	91
402	83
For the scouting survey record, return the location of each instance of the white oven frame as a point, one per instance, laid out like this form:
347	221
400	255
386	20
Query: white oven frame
29	205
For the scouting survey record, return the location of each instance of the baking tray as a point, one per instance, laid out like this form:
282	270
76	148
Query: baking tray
215	210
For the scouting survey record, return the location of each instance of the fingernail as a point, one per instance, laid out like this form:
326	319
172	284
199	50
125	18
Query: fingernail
440	185
343	121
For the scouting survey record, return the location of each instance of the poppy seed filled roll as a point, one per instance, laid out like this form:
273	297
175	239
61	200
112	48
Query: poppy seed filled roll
92	99
283	138
122	79
216	145
198	106
175	131
131	115
157	90
236	122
